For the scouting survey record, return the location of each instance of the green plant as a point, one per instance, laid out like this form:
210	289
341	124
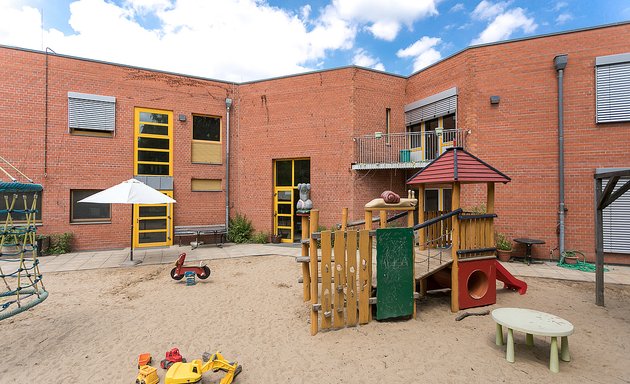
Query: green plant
60	243
260	238
477	209
503	244
240	229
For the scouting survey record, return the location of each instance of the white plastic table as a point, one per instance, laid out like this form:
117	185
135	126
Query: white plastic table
534	323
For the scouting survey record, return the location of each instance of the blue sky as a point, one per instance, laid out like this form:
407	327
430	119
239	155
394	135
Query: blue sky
242	40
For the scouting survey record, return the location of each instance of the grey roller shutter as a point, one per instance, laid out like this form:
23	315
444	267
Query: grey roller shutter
616	223
441	104
612	84
91	112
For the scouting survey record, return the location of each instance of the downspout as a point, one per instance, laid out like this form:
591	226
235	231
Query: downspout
228	104
560	62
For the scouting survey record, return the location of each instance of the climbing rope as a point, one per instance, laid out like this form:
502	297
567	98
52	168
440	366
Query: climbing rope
19	265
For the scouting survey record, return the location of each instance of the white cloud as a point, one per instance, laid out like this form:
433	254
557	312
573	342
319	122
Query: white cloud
229	40
563	18
559	5
385	18
457	7
20	25
504	25
423	51
385	30
364	59
486	10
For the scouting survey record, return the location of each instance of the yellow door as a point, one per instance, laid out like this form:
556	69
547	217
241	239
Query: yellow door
153	156
287	174
153	224
284	213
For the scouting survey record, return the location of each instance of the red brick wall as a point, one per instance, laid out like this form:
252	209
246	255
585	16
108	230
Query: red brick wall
519	136
78	162
316	116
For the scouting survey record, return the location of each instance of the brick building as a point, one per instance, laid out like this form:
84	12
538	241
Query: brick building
77	126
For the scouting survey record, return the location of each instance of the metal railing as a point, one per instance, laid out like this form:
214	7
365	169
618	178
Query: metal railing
410	147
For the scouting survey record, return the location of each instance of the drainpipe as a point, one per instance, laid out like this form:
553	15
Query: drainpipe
560	62
46	116
228	104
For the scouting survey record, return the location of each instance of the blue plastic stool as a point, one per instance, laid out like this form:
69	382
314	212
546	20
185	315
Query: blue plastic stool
190	278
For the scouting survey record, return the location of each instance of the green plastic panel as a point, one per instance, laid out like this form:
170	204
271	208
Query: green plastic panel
394	273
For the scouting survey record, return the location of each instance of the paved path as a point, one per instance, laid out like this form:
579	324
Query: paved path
167	255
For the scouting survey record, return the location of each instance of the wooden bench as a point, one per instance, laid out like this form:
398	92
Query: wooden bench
218	231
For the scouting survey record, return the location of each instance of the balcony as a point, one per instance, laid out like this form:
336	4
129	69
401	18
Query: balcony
404	150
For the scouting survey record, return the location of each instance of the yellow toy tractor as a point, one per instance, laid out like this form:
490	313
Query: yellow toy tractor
147	375
180	373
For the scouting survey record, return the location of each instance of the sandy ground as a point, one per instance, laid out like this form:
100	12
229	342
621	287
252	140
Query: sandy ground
95	323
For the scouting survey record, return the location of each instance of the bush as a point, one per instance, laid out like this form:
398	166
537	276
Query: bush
503	244
260	238
240	230
60	243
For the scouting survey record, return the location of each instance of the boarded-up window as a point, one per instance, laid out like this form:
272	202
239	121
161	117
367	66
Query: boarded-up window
206	185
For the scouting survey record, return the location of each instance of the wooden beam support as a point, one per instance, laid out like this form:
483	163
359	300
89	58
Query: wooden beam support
610	186
306	272
314	271
455	204
617	194
599	246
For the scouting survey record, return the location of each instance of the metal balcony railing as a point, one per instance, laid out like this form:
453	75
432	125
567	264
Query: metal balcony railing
404	150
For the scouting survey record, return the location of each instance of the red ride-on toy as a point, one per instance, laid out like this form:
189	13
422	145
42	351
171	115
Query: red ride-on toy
178	272
173	356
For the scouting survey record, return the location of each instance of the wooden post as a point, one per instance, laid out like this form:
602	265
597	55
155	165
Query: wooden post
344	219
326	280
340	277
351	279
490	209
314	272
599	246
365	279
421	235
306	273
383	215
368	219
455	247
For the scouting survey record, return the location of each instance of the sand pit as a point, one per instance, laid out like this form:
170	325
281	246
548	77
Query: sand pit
95	323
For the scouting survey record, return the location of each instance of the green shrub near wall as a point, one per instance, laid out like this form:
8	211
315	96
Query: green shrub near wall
240	229
60	243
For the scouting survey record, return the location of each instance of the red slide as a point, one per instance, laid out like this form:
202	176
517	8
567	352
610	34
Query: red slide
509	281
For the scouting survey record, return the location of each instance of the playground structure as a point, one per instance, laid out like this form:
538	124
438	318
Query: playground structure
19	264
460	256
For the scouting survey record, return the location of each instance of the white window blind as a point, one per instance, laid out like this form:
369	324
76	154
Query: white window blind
440	104
616	223
91	112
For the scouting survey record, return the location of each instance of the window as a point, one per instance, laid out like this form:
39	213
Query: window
432	107
617	221
92	115
154	144
88	212
612	87
19	206
205	185
206	128
206	143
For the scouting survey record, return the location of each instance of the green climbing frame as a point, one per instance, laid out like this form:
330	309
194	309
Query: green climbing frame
19	265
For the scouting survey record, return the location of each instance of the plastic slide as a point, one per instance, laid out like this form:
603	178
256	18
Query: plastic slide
509	281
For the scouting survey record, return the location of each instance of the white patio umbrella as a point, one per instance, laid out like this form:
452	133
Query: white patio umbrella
131	192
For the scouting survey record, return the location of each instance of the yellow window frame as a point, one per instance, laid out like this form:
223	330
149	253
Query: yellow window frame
139	135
